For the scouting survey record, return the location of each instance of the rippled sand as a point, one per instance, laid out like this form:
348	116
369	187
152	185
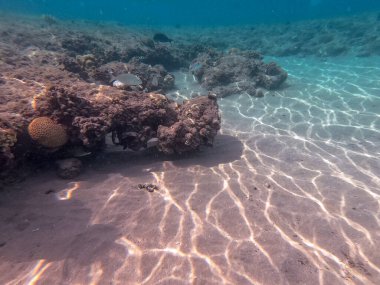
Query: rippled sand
290	194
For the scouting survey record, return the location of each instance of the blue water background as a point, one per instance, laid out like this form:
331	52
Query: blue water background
195	12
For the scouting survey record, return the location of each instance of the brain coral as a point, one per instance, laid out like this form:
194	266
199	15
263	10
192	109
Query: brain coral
47	133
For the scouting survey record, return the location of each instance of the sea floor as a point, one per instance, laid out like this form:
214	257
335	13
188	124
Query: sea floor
289	194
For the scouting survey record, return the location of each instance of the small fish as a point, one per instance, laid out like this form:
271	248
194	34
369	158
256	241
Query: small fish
127	79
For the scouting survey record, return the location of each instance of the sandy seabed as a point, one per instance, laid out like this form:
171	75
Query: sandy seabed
289	194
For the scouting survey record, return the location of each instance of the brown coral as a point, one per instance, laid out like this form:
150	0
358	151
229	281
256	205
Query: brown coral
47	133
7	138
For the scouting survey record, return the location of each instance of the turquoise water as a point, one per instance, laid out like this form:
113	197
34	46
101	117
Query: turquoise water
196	12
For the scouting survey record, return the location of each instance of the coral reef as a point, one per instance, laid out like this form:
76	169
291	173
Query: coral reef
59	115
235	72
134	118
57	89
153	78
68	87
198	123
351	35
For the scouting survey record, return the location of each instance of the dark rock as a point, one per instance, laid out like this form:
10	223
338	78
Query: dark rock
70	64
79	44
236	72
163	55
259	92
69	168
160	37
148	187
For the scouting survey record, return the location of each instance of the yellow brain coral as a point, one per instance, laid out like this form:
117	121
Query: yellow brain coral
47	132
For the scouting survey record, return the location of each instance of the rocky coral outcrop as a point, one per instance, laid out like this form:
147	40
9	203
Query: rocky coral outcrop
197	124
151	78
66	87
132	117
236	72
58	114
55	100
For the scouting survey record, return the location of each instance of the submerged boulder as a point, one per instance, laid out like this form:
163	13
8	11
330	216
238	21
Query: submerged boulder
236	72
